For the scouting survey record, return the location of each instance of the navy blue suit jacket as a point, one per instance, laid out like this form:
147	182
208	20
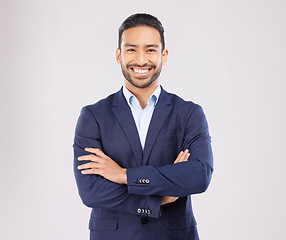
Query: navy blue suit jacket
134	211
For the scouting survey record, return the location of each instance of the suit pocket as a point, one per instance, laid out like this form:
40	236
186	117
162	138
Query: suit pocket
176	223
103	224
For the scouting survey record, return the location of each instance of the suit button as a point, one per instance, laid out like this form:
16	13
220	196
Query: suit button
147	181
136	181
144	220
149	212
139	210
140	181
143	180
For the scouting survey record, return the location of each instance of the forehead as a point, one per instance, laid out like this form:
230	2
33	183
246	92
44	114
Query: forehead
141	35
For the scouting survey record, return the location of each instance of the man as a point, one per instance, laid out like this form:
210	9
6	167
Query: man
141	152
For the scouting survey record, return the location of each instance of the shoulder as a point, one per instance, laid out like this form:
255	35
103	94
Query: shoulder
101	108
181	105
188	112
103	104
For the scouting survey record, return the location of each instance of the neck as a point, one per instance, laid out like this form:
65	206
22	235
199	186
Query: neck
142	94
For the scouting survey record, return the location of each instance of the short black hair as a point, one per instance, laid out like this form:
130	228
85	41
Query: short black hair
141	19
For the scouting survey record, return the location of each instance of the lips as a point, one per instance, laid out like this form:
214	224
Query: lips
140	71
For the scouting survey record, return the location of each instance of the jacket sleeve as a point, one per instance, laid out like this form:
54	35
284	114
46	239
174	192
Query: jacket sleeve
180	179
97	192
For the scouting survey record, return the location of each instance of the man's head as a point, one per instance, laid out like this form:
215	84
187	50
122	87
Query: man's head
141	19
141	51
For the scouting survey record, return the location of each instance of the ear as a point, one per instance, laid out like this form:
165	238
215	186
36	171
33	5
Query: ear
118	57
165	56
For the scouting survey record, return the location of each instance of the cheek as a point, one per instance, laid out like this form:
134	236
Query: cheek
158	62
156	59
125	60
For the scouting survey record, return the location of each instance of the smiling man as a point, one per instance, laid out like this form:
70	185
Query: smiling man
141	56
142	152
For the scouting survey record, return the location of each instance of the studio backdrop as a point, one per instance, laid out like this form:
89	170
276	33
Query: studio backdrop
58	56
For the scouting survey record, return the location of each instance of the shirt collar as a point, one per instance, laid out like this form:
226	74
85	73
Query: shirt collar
155	95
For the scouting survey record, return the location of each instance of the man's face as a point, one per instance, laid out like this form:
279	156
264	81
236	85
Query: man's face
141	57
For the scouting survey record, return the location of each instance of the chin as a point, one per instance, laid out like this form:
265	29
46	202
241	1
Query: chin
140	84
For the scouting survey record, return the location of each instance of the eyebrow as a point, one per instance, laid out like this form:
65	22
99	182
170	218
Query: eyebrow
148	46
153	45
130	45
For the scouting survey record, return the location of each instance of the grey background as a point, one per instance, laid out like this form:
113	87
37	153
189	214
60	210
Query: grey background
59	55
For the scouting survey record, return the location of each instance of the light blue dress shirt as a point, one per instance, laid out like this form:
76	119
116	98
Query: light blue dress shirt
142	117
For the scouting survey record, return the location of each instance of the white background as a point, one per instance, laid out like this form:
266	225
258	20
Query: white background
228	56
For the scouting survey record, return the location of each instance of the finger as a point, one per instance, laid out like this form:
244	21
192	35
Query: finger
90	157
87	166
183	156
91	171
92	150
96	151
188	155
179	156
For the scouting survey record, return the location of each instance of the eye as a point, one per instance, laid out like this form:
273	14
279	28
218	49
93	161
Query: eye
151	50
130	50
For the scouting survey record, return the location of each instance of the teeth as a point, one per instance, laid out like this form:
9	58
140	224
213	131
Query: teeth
140	71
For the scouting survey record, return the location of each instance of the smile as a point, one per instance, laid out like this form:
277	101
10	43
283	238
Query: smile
141	71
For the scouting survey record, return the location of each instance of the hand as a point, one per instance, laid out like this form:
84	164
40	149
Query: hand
102	165
182	157
168	199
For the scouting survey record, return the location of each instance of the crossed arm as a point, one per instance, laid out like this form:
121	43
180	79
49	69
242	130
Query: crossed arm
101	164
102	183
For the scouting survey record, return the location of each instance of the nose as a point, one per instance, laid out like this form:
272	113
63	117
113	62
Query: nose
141	58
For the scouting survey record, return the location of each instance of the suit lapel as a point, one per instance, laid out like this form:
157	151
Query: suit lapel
161	111
124	116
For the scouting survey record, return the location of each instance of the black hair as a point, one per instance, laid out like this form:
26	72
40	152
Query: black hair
142	19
